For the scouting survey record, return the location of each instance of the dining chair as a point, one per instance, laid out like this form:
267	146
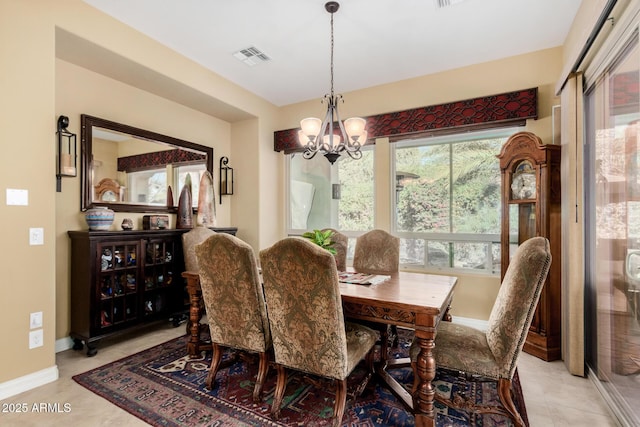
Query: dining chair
234	302
307	323
190	239
378	252
340	244
493	354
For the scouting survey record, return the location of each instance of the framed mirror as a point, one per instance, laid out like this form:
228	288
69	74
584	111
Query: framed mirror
135	170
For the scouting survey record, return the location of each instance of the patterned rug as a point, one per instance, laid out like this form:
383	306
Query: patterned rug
164	387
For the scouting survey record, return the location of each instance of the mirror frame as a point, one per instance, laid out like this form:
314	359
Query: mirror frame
86	167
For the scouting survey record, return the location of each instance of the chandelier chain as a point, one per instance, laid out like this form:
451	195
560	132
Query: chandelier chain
331	55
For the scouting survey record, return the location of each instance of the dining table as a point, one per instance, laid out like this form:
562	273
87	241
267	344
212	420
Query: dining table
414	300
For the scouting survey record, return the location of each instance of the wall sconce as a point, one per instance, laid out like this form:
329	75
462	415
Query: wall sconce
66	164
226	178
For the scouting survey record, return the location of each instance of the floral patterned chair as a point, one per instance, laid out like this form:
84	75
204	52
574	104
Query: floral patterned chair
377	252
307	324
340	244
493	354
190	239
234	302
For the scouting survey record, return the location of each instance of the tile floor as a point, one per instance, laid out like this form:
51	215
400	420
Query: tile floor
553	396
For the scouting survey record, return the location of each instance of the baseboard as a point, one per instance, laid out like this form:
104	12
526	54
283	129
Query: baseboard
28	382
64	344
473	323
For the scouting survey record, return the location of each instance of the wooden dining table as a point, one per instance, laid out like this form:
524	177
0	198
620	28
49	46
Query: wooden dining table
412	300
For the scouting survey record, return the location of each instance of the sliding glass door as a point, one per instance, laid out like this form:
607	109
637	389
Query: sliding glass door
612	159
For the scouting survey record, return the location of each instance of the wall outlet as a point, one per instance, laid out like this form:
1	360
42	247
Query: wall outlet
36	339
35	320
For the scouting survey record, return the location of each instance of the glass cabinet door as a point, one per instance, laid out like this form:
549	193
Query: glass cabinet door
522	224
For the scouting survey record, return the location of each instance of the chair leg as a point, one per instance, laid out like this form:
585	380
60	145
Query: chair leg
340	403
263	368
215	364
504	392
281	383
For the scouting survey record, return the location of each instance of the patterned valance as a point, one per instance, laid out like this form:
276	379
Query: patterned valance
158	159
496	110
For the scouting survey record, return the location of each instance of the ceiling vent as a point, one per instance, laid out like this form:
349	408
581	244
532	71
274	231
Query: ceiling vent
251	56
446	3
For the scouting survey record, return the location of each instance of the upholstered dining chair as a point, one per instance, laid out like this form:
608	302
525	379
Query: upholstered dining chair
377	252
234	301
190	239
493	354
340	244
307	324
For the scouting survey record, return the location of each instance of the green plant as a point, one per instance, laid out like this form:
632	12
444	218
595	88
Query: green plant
321	238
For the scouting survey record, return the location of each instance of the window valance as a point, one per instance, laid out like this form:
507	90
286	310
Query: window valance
505	109
158	159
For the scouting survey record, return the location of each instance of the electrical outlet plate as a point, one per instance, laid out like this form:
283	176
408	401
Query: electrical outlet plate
36	339
35	320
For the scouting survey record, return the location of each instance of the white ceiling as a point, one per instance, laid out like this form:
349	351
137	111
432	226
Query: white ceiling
376	41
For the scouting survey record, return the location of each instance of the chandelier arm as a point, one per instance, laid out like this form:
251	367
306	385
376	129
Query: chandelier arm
355	155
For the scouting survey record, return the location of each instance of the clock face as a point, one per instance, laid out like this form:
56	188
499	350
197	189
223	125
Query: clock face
523	184
109	196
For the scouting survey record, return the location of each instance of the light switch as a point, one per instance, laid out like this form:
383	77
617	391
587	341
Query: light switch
35	320
17	197
36	236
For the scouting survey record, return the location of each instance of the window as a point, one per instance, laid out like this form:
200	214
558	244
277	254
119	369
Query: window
447	204
150	186
338	196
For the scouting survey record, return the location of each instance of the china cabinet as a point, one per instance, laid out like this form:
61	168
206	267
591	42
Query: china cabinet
122	280
530	173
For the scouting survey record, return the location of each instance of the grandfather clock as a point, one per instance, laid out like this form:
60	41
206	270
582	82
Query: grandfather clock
531	207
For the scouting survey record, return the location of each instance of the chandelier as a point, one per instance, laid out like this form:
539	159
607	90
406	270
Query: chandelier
318	135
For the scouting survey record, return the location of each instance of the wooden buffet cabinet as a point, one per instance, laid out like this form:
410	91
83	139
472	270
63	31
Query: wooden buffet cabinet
122	280
531	207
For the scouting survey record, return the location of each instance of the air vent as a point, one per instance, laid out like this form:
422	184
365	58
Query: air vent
446	3
251	56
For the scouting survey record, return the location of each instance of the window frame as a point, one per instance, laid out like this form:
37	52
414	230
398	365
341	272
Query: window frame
489	239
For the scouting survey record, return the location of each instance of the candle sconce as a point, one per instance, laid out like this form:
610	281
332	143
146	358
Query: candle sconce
67	152
226	178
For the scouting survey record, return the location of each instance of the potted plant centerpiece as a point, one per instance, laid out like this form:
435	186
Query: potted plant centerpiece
321	238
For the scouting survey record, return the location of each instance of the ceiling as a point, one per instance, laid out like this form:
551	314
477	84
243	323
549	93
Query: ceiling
376	41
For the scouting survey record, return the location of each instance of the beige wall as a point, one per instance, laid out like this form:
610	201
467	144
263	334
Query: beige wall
27	162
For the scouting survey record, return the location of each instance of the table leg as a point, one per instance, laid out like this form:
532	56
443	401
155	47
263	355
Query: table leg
426	370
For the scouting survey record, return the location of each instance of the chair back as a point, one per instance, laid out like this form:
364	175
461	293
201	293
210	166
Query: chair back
232	293
305	308
190	239
340	244
377	252
516	302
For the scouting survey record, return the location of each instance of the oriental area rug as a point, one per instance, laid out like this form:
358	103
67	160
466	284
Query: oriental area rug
164	387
